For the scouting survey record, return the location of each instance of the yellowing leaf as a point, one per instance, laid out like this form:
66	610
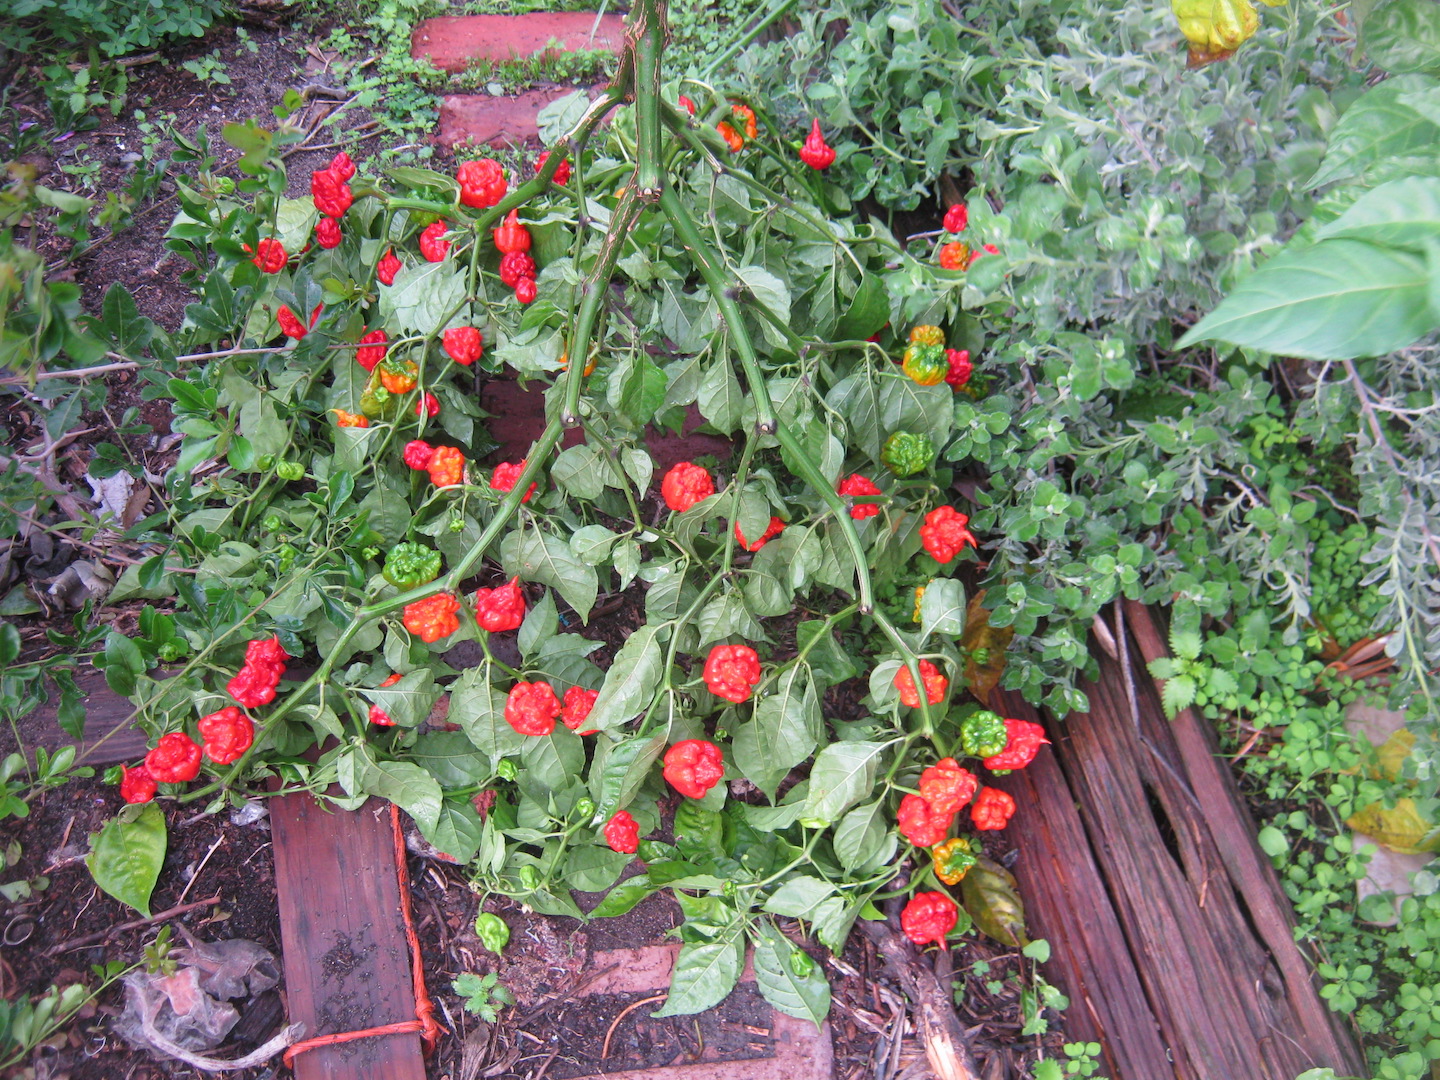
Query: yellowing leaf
1401	829
985	646
992	897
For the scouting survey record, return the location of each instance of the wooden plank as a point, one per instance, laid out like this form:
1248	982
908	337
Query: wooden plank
347	962
1067	902
110	738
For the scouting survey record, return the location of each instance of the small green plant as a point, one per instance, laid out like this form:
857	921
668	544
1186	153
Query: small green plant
158	960
1081	1060
115	27
209	68
1188	679
484	995
75	96
26	1023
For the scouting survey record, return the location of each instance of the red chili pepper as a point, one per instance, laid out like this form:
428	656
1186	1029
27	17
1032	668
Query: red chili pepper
446	467
774	529
505	475
136	785
733	138
578	703
270	256
501	608
929	916
935	685
954	256
379	717
418	454
956	218
254	684
328	234
960	367
174	760
693	767
514	267
685	485
562	171
388	268
331	193
992	809
463	344
432	618
687	104
227	734
732	671
854	485
525	290
391	680
342	166
430	405
532	708
816	152
622	833
510	235
947	787
433	245
989	249
371	350
482	183
1023	743
944	533
919	823
291	325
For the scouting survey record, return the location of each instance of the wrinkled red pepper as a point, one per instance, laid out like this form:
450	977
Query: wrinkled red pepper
371	350
816	152
562	171
328	234
482	183
992	809
511	235
331	193
379	717
254	684
463	344
947	787
1023	742
291	325
578	703
956	218
919	823
387	269
429	405
505	475
418	453
515	267
685	485
854	485
433	245
945	534
774	529
432	618
446	467
622	833
733	139
960	367
270	255
731	672
174	760
532	708
501	608
935	685
954	256
929	916
526	290
227	734
693	767
136	785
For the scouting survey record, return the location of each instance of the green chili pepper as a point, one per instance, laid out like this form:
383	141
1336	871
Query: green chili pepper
492	930
290	470
410	565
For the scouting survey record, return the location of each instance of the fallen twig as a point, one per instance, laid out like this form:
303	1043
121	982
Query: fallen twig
134	924
605	1049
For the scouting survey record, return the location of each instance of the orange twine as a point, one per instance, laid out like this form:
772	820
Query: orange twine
424	1022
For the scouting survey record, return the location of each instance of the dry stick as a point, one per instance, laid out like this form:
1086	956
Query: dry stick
605	1049
134	924
196	876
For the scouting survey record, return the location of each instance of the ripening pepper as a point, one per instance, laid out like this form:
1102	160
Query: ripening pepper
693	767
270	256
854	485
919	823
433	245
733	139
463	344
418	454
929	916
1023	742
926	334
774	529
915	612
562	171
906	453
391	679
427	405
945	533
328	234
731	672
952	860
371	349
432	618
960	367
505	475
331	193
526	290
925	364
983	734
954	256
446	466
174	760
532	708
136	785
947	787
227	734
409	565
622	833
387	269
935	685
992	809
482	183
380	718
816	152
511	235
685	485
746	118
578	703
1214	28
501	608
589	368
956	218
399	376
515	266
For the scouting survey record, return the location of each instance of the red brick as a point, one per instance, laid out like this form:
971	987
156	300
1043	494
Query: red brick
452	42
497	121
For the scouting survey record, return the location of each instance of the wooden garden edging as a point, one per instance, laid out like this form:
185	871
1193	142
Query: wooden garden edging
1170	931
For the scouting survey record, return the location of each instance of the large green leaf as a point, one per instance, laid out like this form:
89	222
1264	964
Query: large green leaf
619	770
782	733
479	709
631	680
408	786
1376	127
703	976
409	701
942	609
861	834
1399	214
1403	35
422	297
777	960
457	831
126	855
538	556
843	774
553	759
1334	300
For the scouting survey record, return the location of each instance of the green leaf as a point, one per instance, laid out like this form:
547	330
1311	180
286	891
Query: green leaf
843	774
861	834
127	854
1378	126
942	609
631	680
1177	694
555	758
805	997
541	623
869	308
123	663
10	645
642	391
704	974
619	770
1432	261
538	556
1272	841
422	297
1335	300
457	831
408	786
1400	214
451	758
624	896
593	868
409	701
1038	950
720	399
769	290
782	733
799	897
1403	36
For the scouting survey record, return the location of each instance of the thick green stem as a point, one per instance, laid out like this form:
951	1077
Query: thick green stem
648	38
775	13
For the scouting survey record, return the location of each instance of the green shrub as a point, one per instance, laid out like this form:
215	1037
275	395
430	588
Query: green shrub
116	26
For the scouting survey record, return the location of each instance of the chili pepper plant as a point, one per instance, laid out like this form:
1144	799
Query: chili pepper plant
687	253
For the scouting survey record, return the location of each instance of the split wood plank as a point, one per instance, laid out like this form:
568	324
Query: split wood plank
347	962
110	737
